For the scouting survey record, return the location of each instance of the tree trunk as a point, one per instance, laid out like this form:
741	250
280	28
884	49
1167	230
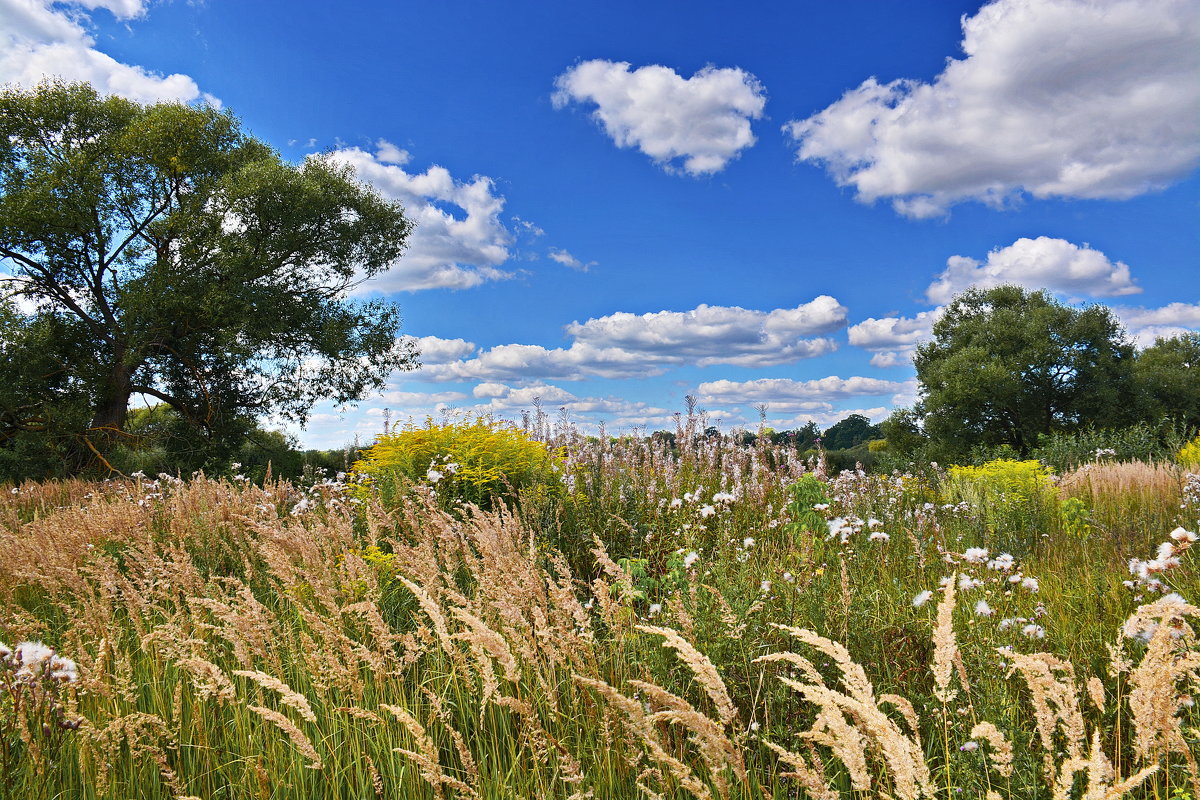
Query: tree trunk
114	405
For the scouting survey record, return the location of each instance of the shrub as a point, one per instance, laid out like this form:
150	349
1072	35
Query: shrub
1066	450
475	461
1004	477
1012	498
1189	455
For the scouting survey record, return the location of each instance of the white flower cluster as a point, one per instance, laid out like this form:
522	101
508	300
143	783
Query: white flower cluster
34	662
842	528
1146	574
434	474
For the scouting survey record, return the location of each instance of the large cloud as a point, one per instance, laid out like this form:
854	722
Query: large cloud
1147	324
435	350
703	121
1059	98
41	39
459	241
1035	264
893	339
625	345
720	334
786	390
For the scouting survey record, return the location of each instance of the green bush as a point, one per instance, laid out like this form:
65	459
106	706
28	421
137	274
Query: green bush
1014	500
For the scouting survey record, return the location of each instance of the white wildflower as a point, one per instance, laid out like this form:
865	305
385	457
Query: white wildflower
983	609
1034	631
922	598
1002	563
878	536
1030	584
975	555
690	559
707	511
1183	536
966	583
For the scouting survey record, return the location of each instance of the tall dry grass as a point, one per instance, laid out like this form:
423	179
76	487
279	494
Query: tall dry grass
244	641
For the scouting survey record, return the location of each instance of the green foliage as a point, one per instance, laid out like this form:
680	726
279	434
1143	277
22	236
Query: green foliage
1014	500
805	495
1143	441
1007	366
1076	517
167	253
1168	378
849	433
477	461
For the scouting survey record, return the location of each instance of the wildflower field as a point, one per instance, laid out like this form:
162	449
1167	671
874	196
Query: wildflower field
666	616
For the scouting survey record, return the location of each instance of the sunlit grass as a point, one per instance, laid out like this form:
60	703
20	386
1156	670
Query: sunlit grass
281	641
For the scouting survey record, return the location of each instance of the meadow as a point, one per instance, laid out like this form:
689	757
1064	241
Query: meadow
619	617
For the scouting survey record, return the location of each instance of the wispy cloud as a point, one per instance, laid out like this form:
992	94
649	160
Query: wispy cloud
568	260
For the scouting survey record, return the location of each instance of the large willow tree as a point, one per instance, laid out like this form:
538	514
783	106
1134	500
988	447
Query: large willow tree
160	250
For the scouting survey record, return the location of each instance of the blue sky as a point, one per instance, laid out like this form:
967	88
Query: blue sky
621	204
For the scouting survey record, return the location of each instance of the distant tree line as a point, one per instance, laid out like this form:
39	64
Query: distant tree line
1013	371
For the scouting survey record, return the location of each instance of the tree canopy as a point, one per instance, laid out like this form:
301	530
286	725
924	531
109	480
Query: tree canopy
849	432
1168	379
1006	366
160	250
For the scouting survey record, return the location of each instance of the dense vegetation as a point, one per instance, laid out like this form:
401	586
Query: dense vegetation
472	609
161	252
1011	368
647	619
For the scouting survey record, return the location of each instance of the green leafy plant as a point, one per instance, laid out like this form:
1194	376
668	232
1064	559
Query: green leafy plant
1076	517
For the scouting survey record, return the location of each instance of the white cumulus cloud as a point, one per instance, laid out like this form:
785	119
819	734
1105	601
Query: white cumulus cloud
1057	98
40	39
459	241
785	390
888	335
720	334
1147	324
516	362
625	345
702	121
1041	263
435	350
